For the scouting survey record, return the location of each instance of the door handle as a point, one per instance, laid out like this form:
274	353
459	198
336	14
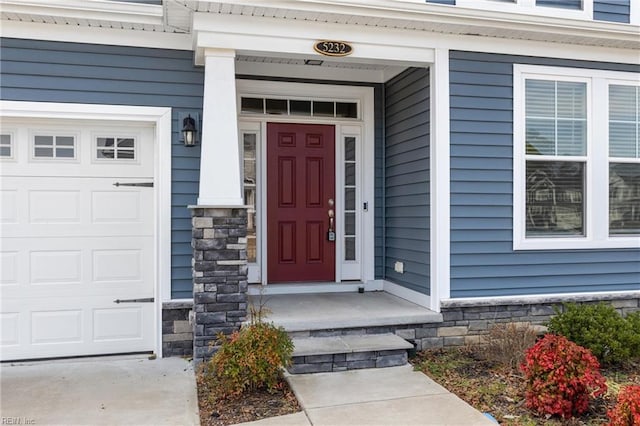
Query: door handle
331	234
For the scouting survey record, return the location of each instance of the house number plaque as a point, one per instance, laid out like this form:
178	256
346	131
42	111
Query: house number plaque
333	48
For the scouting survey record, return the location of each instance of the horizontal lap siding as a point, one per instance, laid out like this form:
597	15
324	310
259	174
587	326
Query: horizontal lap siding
406	156
43	71
483	262
612	10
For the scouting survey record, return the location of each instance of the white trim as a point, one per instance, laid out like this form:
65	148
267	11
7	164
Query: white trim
440	197
103	10
410	295
161	118
313	288
219	147
529	7
95	35
509	27
634	18
596	165
264	69
541	298
365	98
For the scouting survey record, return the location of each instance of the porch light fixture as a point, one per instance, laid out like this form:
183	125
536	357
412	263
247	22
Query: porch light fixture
189	131
316	62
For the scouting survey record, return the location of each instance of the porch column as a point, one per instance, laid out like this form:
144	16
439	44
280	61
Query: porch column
220	157
219	221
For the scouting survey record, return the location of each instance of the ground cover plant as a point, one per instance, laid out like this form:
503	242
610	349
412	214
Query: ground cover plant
494	385
243	381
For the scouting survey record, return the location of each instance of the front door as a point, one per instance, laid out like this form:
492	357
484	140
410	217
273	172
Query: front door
300	199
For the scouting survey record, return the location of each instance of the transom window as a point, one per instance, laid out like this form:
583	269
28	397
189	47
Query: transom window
299	107
6	146
54	146
115	148
576	158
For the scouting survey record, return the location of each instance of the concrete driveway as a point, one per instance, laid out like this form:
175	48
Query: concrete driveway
99	391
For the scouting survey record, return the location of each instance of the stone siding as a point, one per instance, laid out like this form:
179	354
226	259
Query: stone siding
219	242
349	361
177	331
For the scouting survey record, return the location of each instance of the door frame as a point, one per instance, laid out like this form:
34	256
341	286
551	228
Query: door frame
160	118
362	128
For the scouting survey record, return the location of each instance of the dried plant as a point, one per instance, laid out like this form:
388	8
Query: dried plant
506	343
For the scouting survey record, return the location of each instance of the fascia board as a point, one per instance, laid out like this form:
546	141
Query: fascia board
88	9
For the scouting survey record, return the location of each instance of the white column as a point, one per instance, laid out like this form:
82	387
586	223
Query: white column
440	181
220	153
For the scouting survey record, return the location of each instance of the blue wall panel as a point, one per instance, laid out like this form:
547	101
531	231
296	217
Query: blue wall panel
612	10
45	71
483	262
406	179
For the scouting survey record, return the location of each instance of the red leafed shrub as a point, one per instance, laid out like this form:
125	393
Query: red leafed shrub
627	410
561	377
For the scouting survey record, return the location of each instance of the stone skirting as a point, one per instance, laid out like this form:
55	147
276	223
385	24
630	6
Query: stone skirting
350	361
219	242
177	331
467	324
462	324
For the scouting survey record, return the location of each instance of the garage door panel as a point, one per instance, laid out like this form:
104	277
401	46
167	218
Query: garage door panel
73	243
65	268
87	207
75	326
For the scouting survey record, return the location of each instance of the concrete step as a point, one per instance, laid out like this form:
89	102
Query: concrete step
350	352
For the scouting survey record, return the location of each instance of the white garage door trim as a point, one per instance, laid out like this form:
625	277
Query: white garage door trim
161	118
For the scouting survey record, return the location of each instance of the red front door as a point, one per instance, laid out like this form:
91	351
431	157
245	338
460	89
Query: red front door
300	185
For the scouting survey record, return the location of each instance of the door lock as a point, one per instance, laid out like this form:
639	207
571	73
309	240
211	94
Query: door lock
331	233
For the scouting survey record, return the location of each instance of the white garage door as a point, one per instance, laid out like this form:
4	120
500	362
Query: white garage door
71	242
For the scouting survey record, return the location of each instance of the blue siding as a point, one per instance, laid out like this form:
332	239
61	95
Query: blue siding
450	2
483	262
564	4
406	197
46	71
612	10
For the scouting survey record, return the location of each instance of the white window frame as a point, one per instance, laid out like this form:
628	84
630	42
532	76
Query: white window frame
12	145
596	191
54	134
529	7
115	136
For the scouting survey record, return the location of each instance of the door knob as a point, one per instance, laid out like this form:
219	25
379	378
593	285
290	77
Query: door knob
330	202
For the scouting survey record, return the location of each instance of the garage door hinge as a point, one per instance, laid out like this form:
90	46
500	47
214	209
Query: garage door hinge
145	184
144	300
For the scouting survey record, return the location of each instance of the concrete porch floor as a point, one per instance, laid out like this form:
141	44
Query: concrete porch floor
321	311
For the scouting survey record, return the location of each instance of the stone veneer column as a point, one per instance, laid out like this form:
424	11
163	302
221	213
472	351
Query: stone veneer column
219	241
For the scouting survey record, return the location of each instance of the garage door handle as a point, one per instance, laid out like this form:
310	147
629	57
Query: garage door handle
145	300
145	184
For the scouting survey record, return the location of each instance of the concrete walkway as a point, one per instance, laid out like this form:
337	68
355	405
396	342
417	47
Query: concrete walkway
100	391
383	396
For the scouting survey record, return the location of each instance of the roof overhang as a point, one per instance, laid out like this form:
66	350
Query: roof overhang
138	13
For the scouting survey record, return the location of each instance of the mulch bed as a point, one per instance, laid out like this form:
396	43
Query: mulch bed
499	391
260	404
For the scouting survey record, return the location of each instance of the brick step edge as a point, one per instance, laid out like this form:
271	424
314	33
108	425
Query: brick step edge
347	361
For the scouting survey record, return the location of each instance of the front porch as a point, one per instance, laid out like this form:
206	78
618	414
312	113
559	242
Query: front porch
325	314
347	331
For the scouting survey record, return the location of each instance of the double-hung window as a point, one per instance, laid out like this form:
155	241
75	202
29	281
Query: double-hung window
576	158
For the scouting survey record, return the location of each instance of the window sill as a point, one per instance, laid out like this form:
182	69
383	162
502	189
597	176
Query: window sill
575	243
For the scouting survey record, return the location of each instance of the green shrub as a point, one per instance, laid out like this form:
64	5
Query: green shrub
633	320
250	359
599	328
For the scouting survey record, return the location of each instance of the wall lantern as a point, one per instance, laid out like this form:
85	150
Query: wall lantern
189	131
